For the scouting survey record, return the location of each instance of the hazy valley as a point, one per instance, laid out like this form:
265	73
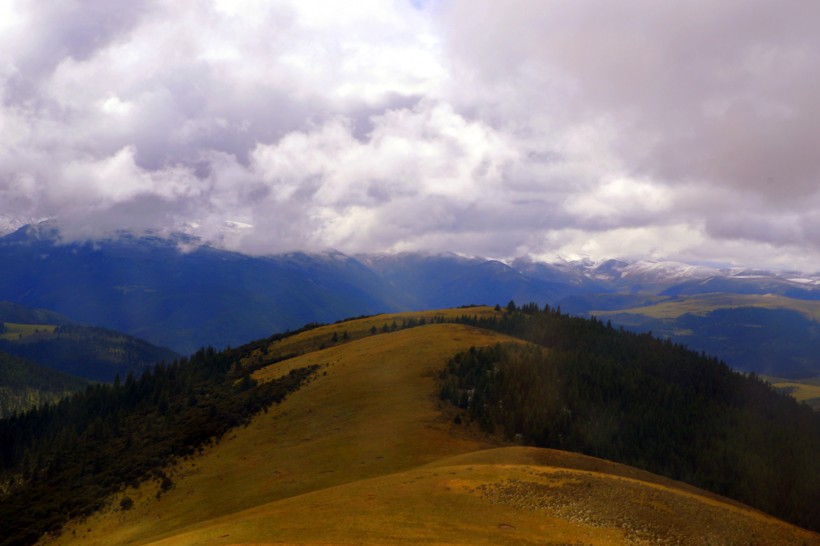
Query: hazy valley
176	293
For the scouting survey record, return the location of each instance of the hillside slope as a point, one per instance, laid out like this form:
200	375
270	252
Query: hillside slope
367	453
510	496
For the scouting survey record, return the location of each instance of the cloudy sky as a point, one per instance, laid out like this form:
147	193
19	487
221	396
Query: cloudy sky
636	128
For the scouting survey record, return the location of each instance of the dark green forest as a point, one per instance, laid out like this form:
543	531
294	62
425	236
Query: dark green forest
65	460
588	387
24	385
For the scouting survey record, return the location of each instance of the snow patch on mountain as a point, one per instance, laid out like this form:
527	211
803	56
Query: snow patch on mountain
10	224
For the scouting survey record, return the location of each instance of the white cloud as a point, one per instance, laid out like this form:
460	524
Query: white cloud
635	128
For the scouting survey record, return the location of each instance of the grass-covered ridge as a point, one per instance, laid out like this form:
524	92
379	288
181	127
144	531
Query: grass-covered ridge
64	461
630	398
367	452
371	410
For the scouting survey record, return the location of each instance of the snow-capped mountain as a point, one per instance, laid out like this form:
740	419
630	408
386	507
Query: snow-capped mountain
672	277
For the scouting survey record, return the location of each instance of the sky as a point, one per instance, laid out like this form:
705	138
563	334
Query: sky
595	128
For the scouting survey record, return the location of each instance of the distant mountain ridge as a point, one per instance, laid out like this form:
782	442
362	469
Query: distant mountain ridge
13	312
51	340
177	292
174	293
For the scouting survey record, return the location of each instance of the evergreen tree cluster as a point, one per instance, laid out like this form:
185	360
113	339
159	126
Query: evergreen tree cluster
65	460
24	385
587	387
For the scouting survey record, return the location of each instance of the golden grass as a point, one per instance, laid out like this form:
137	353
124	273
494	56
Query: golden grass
364	454
15	331
803	390
495	503
371	411
800	391
322	337
420	506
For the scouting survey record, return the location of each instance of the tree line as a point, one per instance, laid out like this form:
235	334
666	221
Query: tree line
585	386
65	460
24	385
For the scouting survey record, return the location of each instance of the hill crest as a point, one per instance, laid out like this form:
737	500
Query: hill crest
368	453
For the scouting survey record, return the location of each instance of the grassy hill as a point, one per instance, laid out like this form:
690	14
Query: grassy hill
367	452
507	496
802	390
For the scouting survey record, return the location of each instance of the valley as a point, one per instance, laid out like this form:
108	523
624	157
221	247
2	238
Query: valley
45	357
180	292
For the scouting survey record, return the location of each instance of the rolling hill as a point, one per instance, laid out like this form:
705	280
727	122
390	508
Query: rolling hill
367	452
97	354
19	314
52	341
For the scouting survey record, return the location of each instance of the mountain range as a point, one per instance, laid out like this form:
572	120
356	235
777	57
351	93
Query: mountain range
177	292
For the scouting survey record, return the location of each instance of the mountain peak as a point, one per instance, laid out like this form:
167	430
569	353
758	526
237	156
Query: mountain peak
46	230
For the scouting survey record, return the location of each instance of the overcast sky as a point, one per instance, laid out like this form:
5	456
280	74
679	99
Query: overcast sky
666	130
